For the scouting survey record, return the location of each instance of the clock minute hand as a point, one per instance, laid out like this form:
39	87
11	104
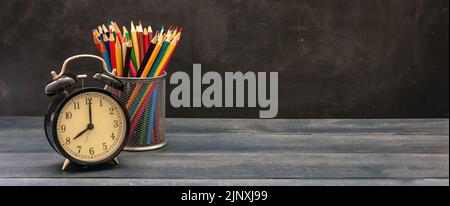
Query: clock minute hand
90	113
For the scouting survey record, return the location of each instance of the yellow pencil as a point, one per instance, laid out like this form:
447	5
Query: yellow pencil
96	33
167	55
119	58
124	46
135	44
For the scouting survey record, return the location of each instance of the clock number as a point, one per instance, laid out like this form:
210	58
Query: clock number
76	105
88	100
104	146
68	115
79	149
67	141
63	128
116	124
101	103
91	150
112	136
111	110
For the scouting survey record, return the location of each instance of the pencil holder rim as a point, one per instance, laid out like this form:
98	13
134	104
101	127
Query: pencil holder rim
147	78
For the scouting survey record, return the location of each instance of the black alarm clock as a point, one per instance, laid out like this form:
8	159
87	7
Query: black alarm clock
86	125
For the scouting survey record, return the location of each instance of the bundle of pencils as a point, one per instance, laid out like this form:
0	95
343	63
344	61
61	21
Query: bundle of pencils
140	53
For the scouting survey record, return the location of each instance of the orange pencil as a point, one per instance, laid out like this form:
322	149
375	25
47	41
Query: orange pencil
97	43
118	33
95	32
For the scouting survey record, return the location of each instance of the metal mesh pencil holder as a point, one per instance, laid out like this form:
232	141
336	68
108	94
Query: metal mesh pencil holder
144	99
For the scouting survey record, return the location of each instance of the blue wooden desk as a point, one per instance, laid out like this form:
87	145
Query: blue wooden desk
247	152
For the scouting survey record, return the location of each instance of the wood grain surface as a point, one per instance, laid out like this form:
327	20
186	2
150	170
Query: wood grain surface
239	151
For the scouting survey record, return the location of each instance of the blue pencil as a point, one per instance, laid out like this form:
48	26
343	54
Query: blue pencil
106	57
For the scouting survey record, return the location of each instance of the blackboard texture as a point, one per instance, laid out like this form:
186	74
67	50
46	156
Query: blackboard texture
336	58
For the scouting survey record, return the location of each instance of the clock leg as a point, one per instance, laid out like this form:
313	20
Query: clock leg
116	161
65	165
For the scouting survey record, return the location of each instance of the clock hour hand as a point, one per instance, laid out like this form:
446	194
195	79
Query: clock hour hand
89	127
81	133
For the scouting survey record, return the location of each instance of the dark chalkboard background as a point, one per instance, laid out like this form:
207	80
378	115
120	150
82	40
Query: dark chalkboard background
336	58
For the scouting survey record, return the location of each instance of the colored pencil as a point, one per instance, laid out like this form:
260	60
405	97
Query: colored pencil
139	113
127	61
117	29
106	42
140	38
132	69
159	58
97	42
144	127
150	33
135	44
100	30
152	57
119	59
106	57
133	96
146	59
139	102
112	53
146	41
111	31
168	60
124	51
152	115
105	30
128	37
167	56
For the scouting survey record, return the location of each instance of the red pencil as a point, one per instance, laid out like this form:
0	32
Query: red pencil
150	34
140	38
112	48
132	69
146	44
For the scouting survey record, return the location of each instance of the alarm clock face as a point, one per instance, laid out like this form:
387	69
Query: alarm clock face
91	127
